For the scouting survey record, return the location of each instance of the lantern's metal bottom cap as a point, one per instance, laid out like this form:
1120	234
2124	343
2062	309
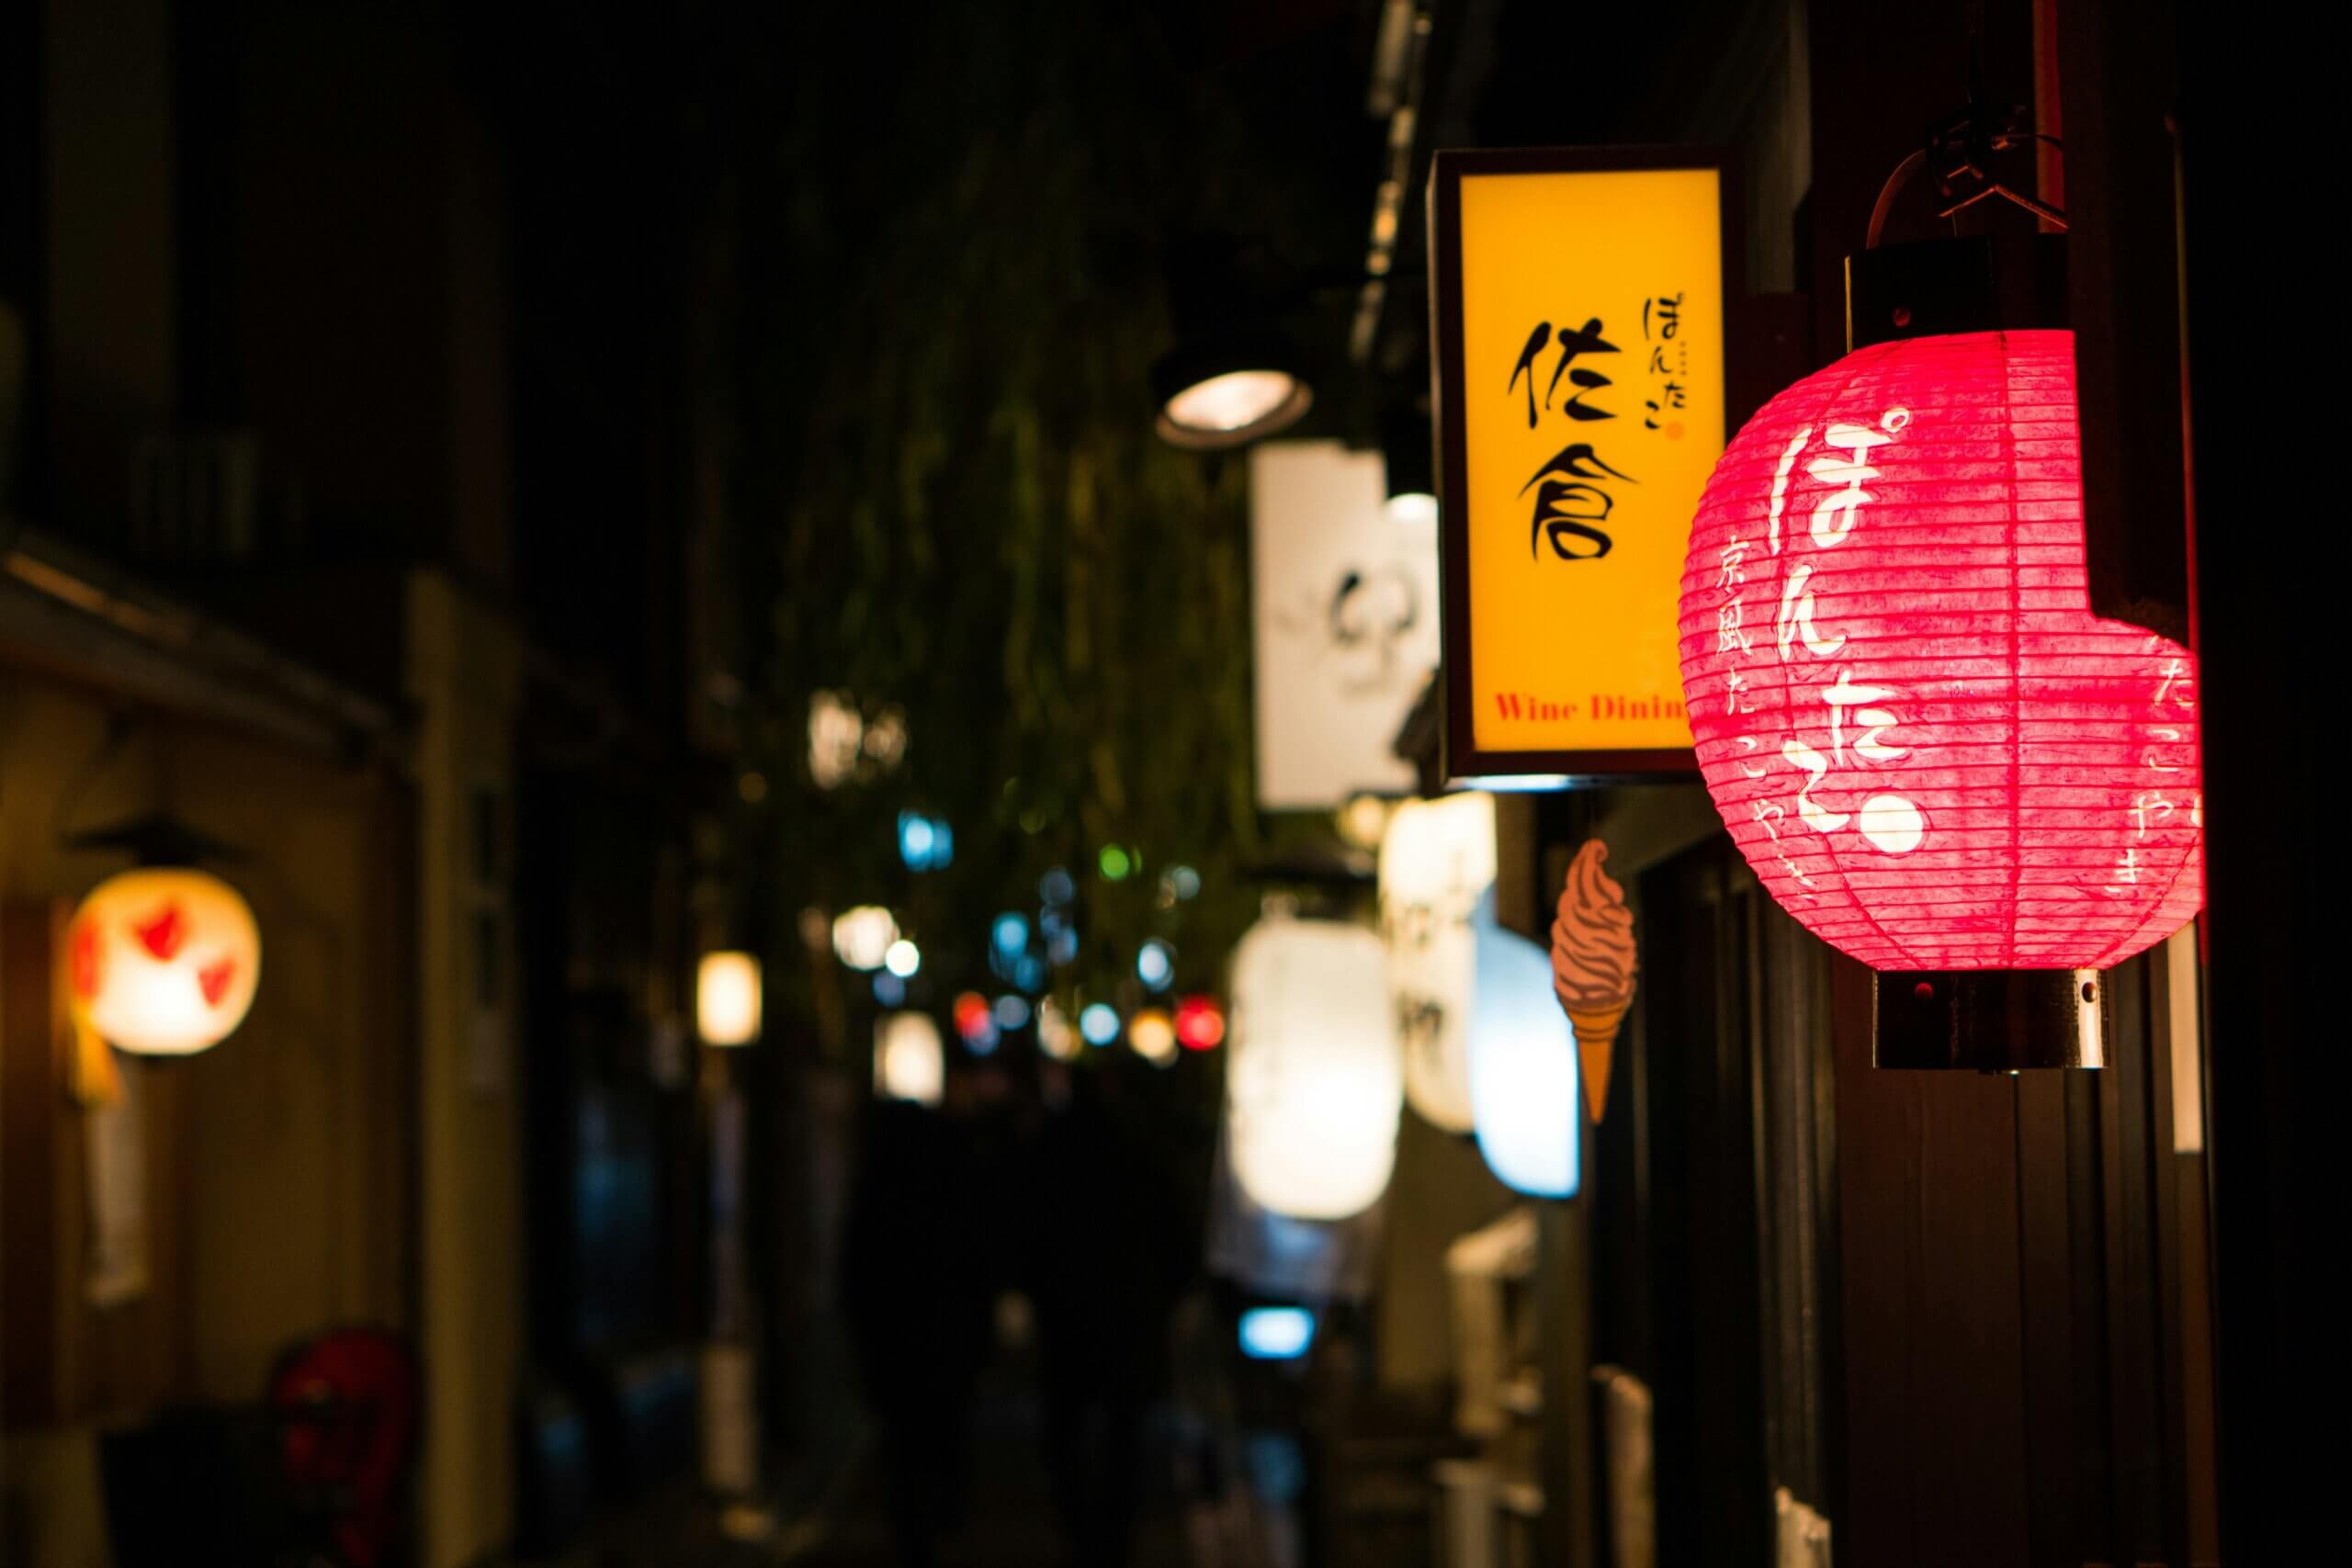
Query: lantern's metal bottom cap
1990	1020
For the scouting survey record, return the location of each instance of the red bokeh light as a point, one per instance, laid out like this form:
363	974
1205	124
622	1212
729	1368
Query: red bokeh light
1200	1023
972	1014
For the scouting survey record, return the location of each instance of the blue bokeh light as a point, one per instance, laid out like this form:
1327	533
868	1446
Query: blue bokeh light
1011	933
1099	1023
925	843
1156	964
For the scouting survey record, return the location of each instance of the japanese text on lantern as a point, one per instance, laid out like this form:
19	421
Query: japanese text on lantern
2170	757
1846	707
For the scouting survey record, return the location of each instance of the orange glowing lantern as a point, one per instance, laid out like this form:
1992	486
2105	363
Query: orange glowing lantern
162	962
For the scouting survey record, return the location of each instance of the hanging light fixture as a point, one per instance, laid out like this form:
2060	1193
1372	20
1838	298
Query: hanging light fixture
1931	751
1437	870
163	961
1229	390
1234	377
1315	1080
727	999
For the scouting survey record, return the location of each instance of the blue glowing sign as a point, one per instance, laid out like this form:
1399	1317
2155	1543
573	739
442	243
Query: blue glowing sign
1277	1334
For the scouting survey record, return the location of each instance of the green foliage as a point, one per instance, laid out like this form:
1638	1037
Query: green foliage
952	306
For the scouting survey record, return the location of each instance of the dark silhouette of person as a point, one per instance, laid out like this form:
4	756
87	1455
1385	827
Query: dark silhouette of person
916	1295
1105	1260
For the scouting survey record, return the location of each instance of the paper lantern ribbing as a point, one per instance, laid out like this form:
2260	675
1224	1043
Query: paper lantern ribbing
1437	866
162	962
1523	1069
1930	749
1314	1082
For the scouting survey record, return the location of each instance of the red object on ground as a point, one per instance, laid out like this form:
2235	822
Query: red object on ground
1931	751
345	1407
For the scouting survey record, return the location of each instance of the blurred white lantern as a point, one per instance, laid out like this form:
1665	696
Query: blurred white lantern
862	937
910	1063
1437	870
162	962
727	999
1522	1063
1315	1082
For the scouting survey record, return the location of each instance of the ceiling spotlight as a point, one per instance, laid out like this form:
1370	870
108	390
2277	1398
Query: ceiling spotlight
1212	397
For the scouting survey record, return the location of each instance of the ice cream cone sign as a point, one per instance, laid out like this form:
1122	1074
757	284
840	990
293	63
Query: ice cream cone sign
1594	965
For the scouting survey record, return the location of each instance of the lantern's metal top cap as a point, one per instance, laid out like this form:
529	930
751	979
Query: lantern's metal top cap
1983	284
1973	284
157	839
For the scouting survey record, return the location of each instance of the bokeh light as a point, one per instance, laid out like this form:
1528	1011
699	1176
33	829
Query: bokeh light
908	1061
925	843
903	958
1011	933
1056	1037
861	937
1200	1023
1153	1036
1099	1023
1113	863
1156	964
970	1013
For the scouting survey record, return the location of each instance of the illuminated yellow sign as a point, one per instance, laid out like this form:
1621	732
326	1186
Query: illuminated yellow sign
1578	302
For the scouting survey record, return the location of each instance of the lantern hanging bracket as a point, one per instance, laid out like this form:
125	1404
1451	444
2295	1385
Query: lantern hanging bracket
1960	150
157	839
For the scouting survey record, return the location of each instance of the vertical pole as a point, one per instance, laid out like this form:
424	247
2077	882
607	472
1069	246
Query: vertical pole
1567	1456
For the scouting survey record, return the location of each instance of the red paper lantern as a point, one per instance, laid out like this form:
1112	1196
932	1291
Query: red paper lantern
1930	751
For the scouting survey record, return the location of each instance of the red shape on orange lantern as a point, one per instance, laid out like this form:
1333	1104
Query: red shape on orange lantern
163	933
1930	749
215	978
